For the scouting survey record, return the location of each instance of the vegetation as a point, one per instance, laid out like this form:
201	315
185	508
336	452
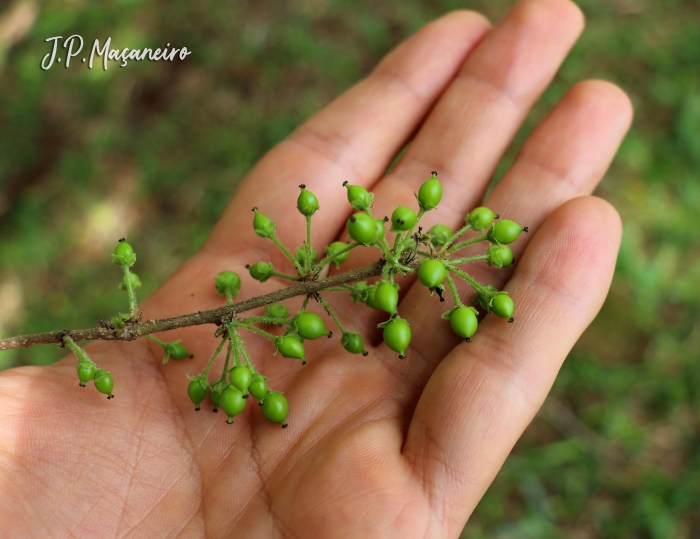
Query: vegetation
161	147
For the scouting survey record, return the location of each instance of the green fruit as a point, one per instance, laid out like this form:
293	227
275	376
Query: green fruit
430	193
397	336
177	351
371	300
232	402
480	218
258	387
362	228
432	273
336	247
309	326
439	234
241	377
261	271
502	305
359	197
275	408
104	383
263	225
290	347
505	231
463	321
353	343
499	256
301	256
86	372
387	297
227	283
402	219
124	254
307	203
198	390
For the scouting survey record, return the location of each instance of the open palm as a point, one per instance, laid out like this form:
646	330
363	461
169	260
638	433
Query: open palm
376	446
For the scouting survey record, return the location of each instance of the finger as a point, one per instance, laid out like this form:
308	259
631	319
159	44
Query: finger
484	394
476	118
565	157
353	139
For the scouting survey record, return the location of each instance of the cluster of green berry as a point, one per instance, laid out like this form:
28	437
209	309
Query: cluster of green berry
434	248
433	254
231	391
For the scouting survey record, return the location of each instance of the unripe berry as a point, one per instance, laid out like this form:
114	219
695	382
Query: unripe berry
480	218
505	231
430	193
402	219
261	271
263	225
307	203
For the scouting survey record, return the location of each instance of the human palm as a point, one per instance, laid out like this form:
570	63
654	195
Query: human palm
376	446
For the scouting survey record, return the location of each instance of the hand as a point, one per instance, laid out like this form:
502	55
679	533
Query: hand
376	446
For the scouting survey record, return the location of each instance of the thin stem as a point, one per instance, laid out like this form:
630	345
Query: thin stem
453	289
397	241
454	236
229	298
217	316
156	340
291	258
78	351
332	314
254	329
468	259
467	243
333	256
133	305
464	275
228	358
307	262
343	288
284	275
244	352
213	358
268	320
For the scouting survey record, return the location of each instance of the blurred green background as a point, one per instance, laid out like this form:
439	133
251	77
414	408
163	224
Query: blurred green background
153	151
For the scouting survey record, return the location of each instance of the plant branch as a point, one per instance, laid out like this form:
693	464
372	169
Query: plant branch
218	316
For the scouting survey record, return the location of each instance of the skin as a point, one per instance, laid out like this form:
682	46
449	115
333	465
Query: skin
375	447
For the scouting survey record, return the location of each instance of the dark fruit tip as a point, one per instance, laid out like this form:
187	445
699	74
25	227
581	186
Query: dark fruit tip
365	353
345	183
255	209
511	320
302	186
303	363
526	229
284	425
402	356
468	339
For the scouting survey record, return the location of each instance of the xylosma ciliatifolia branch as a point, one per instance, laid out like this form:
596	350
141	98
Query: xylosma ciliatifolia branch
434	254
